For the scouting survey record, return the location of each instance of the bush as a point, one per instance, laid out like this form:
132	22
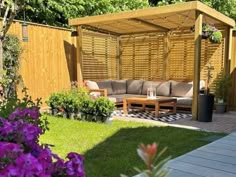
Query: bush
66	101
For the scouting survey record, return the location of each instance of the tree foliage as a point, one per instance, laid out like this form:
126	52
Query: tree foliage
227	7
57	12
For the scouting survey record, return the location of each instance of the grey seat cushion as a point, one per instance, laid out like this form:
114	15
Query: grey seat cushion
147	84
106	85
181	89
184	101
134	86
163	89
119	87
119	98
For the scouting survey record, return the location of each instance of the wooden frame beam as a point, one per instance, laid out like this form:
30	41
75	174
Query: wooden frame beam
95	29
141	13
79	57
149	24
197	63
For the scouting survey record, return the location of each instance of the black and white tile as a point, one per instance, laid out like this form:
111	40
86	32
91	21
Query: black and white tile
150	115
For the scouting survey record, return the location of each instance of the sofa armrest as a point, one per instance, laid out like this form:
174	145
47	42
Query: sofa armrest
102	91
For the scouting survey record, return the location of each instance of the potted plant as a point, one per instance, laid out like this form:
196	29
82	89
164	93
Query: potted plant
98	109
216	37
206	30
222	84
210	32
206	100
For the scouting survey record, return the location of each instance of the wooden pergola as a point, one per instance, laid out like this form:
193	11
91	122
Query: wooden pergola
177	18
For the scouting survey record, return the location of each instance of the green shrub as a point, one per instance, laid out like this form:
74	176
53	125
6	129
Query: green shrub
103	107
67	101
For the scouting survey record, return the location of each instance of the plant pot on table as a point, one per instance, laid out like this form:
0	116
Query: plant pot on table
205	107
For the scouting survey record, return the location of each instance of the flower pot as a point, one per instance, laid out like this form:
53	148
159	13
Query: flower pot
94	118
220	108
205	107
206	34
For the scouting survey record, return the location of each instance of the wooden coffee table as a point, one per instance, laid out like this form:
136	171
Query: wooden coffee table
156	102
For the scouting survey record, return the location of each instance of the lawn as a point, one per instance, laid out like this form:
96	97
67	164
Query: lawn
110	149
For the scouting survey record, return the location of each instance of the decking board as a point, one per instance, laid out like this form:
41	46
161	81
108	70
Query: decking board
216	159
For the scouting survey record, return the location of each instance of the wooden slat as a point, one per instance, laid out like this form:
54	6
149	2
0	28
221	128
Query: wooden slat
48	59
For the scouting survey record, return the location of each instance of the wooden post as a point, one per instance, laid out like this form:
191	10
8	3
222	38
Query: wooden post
118	57
165	74
79	56
197	63
227	50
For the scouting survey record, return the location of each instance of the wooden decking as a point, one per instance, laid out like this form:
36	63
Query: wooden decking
217	159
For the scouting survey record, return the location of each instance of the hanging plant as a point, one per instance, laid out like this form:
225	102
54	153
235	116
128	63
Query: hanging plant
216	37
210	32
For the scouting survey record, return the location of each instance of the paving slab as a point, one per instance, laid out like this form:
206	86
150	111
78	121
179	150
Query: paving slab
217	159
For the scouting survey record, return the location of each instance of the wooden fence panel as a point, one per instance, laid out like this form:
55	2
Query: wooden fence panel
48	61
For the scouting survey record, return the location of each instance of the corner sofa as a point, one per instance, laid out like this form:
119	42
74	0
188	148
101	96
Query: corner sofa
117	90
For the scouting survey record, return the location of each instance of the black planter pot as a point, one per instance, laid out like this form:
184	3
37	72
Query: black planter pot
205	107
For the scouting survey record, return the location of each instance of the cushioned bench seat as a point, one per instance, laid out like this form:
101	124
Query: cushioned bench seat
117	90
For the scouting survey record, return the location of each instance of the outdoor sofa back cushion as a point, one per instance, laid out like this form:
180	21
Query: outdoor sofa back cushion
134	86
181	89
163	89
147	84
118	87
91	84
106	85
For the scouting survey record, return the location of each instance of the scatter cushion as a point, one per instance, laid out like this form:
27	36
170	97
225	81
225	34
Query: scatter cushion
147	84
91	84
134	86
163	89
118	87
202	86
181	89
106	85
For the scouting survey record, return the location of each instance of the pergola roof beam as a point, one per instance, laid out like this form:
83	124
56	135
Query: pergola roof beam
95	29
150	24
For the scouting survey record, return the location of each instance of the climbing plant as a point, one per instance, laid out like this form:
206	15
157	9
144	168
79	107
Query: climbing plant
11	53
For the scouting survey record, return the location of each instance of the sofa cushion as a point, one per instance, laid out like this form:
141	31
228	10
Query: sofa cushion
202	86
181	89
119	98
106	85
163	89
91	84
118	87
134	86
147	84
184	101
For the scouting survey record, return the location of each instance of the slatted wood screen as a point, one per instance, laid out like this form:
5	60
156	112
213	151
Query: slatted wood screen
100	56
142	57
181	58
48	61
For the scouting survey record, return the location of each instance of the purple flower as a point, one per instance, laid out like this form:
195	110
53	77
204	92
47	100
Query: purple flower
22	156
74	167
